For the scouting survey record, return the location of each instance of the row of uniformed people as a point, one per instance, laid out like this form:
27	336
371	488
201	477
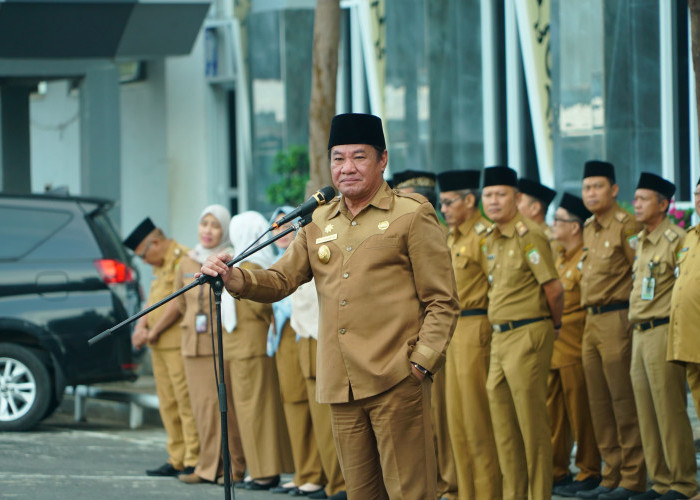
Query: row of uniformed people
497	414
268	378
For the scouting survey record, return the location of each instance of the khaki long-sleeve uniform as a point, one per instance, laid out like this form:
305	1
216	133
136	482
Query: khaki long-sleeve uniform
169	368
519	261
606	281
567	397
466	368
659	386
387	297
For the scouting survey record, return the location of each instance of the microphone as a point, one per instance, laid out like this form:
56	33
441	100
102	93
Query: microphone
320	197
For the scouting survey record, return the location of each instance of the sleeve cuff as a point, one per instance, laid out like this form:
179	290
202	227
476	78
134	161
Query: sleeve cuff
428	358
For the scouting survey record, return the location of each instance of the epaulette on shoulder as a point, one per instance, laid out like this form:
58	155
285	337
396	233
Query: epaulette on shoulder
521	228
589	220
414	196
670	235
480	228
490	229
621	216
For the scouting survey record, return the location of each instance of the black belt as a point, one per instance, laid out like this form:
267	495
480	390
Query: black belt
473	312
618	306
640	327
512	325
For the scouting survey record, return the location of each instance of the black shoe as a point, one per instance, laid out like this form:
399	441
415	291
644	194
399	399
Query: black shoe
319	493
241	485
572	489
255	486
165	470
594	493
186	470
282	489
647	495
564	481
619	493
672	495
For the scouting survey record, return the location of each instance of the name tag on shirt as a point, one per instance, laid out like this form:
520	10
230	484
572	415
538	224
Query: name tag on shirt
324	239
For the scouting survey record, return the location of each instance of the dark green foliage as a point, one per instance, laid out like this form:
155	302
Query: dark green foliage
291	169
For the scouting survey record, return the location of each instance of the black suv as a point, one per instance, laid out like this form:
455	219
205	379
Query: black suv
64	277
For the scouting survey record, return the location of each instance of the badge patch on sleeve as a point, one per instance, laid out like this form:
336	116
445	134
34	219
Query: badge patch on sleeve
632	241
533	256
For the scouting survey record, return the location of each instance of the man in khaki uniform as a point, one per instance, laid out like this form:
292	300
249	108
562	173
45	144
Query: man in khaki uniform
422	182
534	202
659	386
609	240
467	364
567	398
161	330
683	340
388	307
525	307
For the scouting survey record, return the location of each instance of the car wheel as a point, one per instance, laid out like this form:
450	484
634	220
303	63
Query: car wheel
25	388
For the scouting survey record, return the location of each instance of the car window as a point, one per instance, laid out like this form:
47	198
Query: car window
107	237
24	229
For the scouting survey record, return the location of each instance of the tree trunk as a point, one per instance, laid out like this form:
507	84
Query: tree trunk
694	6
323	89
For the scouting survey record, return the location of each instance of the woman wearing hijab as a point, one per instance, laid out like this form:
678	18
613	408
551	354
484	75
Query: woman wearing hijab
254	381
282	344
197	351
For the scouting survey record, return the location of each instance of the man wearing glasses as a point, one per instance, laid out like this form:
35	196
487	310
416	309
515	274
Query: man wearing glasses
161	331
567	398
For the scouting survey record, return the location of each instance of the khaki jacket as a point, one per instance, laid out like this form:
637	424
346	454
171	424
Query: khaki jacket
683	338
191	303
467	261
386	291
567	347
162	286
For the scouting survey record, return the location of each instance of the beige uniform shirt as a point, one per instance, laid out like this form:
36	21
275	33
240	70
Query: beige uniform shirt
567	347
162	286
608	252
656	259
386	291
467	262
683	337
192	303
518	261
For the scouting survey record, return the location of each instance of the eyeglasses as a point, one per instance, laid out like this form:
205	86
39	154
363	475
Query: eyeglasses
560	219
142	255
447	203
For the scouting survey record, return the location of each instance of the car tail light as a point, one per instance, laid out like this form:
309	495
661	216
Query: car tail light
113	271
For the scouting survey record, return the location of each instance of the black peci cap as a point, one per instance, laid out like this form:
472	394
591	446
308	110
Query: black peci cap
598	168
457	180
413	178
500	176
139	234
647	180
537	190
356	128
574	205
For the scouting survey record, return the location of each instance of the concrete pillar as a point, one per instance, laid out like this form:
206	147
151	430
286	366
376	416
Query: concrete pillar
14	139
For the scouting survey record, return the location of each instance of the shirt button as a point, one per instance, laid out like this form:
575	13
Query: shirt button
341	331
343	302
353	223
345	275
348	248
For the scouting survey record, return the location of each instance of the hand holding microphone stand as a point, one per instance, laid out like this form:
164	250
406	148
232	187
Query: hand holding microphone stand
304	211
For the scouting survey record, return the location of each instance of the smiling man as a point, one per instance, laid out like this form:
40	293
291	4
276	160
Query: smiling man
388	306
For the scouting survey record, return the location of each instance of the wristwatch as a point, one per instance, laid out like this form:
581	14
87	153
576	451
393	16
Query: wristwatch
423	370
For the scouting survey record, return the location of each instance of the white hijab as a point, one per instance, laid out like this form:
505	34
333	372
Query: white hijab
243	230
199	253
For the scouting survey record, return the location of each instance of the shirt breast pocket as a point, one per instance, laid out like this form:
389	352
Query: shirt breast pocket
382	242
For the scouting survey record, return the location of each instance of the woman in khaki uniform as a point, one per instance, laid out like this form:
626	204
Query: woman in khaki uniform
197	350
253	375
282	344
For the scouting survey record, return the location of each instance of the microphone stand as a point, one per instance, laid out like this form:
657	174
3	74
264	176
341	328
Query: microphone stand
217	285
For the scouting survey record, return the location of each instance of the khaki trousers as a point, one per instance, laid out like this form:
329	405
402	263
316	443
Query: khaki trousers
570	417
307	462
468	413
607	346
385	443
659	391
692	373
174	407
517	390
256	395
446	471
205	407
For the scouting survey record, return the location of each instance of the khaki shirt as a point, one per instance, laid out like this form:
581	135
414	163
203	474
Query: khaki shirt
192	303
162	286
658	248
518	261
386	291
608	253
567	347
683	338
467	262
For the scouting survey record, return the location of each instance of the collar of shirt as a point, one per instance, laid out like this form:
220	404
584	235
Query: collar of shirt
508	230
467	225
605	219
382	200
654	236
566	256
